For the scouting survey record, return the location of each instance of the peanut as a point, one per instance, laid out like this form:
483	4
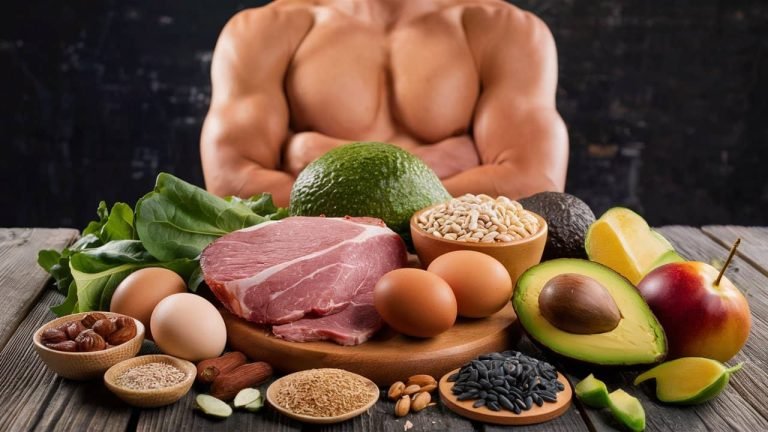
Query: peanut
403	406
420	401
411	389
421	380
396	390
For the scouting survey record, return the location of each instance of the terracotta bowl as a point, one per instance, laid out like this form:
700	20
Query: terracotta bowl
153	397
85	365
517	256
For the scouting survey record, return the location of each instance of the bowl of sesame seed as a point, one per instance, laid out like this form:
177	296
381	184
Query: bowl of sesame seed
150	381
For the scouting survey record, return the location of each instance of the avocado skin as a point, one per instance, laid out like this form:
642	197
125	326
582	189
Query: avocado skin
568	219
367	179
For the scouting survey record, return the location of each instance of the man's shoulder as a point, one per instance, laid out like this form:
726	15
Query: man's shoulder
492	16
282	15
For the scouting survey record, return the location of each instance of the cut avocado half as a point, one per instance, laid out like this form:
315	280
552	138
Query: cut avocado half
637	339
622	240
689	380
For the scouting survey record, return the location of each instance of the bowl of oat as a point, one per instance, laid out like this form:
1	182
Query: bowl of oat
499	227
150	381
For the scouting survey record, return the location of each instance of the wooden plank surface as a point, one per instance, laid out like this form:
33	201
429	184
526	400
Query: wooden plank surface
754	242
34	398
21	279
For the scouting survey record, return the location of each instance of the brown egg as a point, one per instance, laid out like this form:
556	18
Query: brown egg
139	293
189	327
415	302
481	284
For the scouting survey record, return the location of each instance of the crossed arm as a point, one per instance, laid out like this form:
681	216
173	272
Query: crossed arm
519	144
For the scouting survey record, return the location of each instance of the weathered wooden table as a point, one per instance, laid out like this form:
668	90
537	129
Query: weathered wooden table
34	398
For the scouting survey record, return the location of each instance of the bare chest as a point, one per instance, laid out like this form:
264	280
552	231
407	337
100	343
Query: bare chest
352	82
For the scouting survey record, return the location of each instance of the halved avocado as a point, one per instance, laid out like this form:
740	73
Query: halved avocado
637	339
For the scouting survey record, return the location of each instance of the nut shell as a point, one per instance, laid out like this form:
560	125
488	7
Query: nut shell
104	327
53	336
88	340
66	346
403	406
89	320
420	401
74	329
396	390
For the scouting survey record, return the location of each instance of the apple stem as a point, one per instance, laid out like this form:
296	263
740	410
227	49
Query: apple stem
728	261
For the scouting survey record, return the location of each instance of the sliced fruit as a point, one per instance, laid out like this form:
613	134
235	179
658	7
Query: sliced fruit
246	396
627	409
592	392
212	406
637	339
623	241
668	257
689	380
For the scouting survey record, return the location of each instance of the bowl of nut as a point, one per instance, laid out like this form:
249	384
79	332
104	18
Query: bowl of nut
499	227
84	345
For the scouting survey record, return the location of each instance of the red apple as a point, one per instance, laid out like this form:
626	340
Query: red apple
701	317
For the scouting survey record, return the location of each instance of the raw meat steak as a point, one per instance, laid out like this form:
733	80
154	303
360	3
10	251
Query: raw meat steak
312	275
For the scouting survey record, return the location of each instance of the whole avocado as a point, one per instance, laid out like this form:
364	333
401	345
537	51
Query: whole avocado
568	218
367	179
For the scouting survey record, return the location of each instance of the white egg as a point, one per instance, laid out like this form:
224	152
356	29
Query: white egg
189	327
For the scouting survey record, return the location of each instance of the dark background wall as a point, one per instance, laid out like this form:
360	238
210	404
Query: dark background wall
666	103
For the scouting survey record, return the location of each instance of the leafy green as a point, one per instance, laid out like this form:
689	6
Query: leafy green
178	220
171	226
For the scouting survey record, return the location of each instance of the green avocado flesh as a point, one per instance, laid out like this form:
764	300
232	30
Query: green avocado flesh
627	409
592	392
638	338
367	179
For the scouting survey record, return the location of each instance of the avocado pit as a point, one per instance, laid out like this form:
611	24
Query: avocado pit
578	304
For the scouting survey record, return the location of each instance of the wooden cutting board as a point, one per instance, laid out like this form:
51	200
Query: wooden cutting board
388	356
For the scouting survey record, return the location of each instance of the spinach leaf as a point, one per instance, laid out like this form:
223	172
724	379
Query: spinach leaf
178	220
262	204
98	272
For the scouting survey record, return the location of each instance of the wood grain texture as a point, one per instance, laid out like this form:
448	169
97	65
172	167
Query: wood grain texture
33	397
21	279
754	242
385	358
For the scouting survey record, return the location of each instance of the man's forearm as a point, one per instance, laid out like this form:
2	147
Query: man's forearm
254	180
495	180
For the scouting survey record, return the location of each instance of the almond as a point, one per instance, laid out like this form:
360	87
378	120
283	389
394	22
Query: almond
396	390
226	385
428	388
421	401
411	389
403	406
421	380
208	370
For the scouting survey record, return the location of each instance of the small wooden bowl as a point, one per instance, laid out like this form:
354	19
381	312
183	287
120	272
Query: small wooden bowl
516	256
85	365
275	386
155	397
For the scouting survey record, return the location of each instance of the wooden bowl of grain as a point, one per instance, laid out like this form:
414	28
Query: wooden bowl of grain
150	381
517	255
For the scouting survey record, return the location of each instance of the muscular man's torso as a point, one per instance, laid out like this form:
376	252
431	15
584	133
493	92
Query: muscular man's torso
356	80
